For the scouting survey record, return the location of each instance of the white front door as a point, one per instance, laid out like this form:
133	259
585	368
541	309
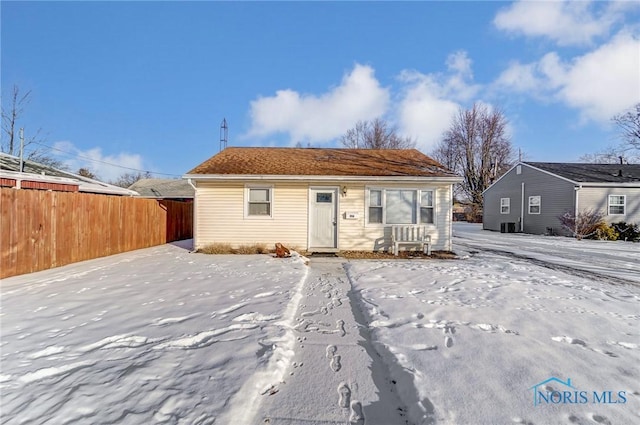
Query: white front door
323	225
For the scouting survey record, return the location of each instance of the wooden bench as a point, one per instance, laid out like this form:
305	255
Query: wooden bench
410	235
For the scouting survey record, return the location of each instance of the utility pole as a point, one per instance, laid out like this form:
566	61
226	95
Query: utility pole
21	149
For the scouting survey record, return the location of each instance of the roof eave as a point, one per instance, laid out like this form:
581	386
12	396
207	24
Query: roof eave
610	184
242	177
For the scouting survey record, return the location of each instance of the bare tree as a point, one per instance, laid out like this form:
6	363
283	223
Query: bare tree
127	179
86	172
11	115
376	134
628	124
477	147
628	150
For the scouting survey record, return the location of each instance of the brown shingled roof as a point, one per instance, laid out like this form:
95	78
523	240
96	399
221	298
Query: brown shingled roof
322	162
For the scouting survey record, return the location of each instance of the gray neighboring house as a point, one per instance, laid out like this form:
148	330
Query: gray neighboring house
170	189
531	196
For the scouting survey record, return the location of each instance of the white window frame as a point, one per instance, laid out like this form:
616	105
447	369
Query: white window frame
623	204
539	204
504	205
418	206
247	190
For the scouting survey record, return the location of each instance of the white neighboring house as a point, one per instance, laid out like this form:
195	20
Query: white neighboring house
531	196
320	199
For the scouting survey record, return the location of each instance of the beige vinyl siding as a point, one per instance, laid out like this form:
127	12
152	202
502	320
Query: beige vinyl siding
597	198
357	235
220	215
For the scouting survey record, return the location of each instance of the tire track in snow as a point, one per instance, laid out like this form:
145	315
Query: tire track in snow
574	271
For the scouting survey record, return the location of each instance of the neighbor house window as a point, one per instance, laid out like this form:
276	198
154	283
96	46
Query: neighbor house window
505	205
616	204
259	201
534	204
401	206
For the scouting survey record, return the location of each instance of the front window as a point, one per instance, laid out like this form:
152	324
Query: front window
259	201
401	206
617	204
505	205
534	204
375	206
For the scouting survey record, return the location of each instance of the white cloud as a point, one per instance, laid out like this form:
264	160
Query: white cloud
98	163
599	84
429	101
318	119
565	22
605	81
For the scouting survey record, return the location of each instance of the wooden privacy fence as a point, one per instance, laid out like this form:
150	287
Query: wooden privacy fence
43	229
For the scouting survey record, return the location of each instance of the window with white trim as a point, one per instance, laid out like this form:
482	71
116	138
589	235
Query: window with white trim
617	204
375	206
259	201
534	204
401	206
505	205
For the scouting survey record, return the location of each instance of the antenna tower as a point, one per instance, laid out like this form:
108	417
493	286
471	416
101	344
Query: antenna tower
224	134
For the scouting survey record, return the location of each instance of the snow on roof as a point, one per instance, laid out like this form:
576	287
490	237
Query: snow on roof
34	171
163	188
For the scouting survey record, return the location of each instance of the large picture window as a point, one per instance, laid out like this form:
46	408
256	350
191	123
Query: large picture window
259	201
401	206
617	204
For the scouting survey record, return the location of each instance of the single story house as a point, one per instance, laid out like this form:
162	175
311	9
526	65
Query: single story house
320	199
168	189
531	196
44	177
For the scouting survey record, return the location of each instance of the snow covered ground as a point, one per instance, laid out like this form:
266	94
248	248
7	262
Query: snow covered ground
162	335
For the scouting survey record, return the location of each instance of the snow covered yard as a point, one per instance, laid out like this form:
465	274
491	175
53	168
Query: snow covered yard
466	340
158	335
162	335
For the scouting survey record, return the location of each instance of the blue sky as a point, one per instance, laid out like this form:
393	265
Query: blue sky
146	84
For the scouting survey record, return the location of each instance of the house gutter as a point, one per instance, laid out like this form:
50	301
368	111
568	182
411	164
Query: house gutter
575	215
245	177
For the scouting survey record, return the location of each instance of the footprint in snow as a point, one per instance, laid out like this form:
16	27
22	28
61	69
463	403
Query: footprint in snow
573	419
335	363
331	351
344	395
569	340
601	419
340	327
356	417
448	341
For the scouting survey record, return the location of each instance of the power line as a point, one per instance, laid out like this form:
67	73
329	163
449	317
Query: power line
104	162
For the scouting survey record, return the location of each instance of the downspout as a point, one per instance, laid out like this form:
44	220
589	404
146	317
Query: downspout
522	209
195	213
577	209
450	201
